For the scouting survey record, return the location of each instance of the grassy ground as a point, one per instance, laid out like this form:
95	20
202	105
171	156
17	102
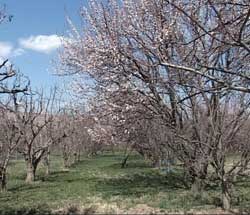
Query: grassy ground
100	184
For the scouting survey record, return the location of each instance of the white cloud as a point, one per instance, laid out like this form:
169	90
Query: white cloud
17	52
6	49
41	43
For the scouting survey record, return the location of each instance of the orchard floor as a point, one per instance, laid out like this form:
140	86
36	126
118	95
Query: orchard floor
100	185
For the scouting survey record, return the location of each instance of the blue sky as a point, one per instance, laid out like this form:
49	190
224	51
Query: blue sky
31	39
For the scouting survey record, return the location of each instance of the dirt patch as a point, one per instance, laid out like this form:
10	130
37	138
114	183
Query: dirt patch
143	209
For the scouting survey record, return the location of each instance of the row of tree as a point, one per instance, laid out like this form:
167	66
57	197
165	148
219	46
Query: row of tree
170	77
165	78
32	123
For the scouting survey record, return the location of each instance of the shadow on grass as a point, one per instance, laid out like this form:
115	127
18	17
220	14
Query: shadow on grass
43	209
30	187
64	177
39	210
82	162
20	176
57	176
130	165
139	184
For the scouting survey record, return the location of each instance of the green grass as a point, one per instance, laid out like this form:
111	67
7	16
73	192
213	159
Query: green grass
101	181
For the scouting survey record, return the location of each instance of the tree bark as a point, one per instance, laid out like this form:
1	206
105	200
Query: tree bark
47	163
47	171
3	180
79	156
124	162
31	172
226	196
197	187
156	163
75	157
66	162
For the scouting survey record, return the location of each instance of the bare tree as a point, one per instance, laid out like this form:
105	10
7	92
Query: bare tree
11	81
69	133
10	132
33	116
10	138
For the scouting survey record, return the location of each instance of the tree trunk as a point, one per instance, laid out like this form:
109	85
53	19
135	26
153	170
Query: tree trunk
75	157
66	162
197	187
112	150
79	156
157	163
31	172
3	180
47	165
124	162
226	197
47	162
47	171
